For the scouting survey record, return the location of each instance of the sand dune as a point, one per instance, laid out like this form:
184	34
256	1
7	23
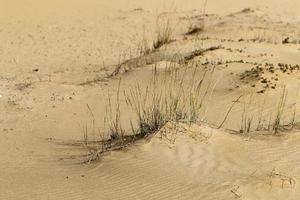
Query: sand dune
57	57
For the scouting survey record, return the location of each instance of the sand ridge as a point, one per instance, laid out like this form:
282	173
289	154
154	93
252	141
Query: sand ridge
57	57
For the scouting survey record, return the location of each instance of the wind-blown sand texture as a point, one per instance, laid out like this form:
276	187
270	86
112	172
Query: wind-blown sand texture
57	57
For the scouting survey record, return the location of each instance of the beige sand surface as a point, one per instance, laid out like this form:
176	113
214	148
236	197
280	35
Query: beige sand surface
54	60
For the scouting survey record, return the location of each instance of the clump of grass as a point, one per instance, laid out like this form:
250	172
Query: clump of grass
260	124
144	47
195	29
247	119
280	109
173	97
114	122
177	101
275	124
164	33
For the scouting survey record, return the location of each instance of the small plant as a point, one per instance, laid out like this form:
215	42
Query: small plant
170	98
195	29
177	101
247	119
163	35
293	119
115	128
144	47
260	124
275	122
280	109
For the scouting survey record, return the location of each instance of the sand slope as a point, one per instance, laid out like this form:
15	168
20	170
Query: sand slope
54	60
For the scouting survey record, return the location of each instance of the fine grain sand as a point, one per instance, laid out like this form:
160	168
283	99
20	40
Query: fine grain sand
56	57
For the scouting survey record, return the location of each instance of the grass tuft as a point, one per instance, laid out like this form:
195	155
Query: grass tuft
170	97
163	35
178	101
195	29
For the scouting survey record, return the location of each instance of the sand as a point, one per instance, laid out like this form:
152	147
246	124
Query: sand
56	58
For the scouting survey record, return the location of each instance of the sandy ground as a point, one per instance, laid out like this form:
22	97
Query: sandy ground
54	61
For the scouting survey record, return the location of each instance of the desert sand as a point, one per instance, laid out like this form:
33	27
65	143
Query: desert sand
62	62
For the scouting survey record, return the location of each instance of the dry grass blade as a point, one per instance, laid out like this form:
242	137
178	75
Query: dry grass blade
228	112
